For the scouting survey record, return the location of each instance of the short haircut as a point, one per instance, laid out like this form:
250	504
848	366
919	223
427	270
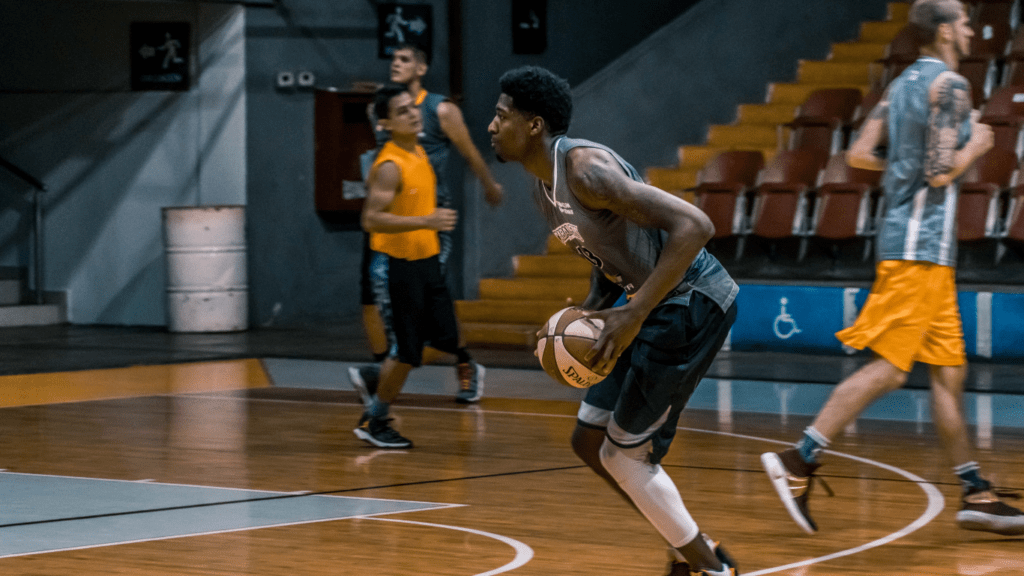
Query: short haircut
926	16
418	51
538	91
382	100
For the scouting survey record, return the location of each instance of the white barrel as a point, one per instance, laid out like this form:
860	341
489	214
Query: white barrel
207	283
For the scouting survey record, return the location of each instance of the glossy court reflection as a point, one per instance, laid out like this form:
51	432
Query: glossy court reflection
250	467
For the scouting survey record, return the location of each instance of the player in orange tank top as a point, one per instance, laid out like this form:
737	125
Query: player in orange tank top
403	219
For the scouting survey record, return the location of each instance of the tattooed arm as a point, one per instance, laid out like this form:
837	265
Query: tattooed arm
949	105
599	183
863	153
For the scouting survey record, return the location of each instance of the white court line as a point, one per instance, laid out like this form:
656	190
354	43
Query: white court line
523	552
936	502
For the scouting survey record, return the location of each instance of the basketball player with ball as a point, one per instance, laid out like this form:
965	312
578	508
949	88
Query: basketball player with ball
656	347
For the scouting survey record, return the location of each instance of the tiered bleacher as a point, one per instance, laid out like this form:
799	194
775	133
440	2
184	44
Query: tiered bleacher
795	225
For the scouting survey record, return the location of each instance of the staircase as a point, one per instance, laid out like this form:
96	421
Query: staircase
758	126
510	311
13	310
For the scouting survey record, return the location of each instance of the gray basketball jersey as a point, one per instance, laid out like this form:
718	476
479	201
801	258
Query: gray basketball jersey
920	221
622	250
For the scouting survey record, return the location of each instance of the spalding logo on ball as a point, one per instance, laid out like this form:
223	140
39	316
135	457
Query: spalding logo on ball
565	340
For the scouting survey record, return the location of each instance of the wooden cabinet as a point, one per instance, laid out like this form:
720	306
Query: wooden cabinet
342	133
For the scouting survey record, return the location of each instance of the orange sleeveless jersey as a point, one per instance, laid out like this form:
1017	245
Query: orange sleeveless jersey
416	197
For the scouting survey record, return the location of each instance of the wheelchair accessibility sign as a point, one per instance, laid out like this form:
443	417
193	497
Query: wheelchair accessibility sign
784	325
788	318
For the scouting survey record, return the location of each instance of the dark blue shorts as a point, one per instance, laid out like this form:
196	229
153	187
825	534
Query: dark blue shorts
654	378
415	305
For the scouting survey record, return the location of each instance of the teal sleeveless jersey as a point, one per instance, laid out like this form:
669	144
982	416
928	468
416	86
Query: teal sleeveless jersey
919	221
622	250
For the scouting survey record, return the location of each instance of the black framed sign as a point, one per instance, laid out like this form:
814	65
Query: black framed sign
160	55
529	26
399	24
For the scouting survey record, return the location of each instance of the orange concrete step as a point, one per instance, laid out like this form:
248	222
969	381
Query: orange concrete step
880	32
671	179
857	51
734	136
490	335
698	156
765	113
508	311
535	288
796	94
567	266
899	11
830	72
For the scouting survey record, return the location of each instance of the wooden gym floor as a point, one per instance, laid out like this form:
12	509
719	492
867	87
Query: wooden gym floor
149	454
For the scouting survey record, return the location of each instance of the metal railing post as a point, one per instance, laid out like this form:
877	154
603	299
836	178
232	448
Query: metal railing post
37	243
37	227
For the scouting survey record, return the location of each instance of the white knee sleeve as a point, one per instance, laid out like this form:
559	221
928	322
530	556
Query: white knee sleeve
651	490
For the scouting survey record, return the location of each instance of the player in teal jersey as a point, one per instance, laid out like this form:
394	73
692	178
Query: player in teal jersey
925	124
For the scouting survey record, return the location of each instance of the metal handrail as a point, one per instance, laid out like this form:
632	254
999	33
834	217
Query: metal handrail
37	226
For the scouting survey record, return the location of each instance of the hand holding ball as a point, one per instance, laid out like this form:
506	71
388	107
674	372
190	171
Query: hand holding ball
564	342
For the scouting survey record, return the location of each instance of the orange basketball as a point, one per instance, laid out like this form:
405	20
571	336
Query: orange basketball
565	340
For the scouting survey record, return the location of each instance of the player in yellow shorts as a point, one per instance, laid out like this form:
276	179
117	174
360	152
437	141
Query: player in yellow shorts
926	125
910	316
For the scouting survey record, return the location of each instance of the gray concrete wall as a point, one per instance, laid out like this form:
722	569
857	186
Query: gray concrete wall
112	158
305	270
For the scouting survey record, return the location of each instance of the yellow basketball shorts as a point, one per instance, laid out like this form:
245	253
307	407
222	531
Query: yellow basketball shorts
911	315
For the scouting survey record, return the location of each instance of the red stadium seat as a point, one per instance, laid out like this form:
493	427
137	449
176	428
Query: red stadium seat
1015	50
1004	111
823	120
845	203
981	190
867	104
992	30
981	73
1013	71
781	200
1013	228
722	187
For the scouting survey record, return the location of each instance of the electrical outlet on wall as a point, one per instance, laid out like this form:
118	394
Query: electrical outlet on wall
285	79
306	79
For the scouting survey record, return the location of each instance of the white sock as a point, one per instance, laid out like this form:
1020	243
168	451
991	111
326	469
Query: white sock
651	490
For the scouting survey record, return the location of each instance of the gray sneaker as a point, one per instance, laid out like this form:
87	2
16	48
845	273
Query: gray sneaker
471	382
378	432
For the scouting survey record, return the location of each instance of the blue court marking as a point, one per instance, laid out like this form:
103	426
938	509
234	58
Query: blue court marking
44	513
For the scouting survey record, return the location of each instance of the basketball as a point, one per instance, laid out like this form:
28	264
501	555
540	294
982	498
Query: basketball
565	340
